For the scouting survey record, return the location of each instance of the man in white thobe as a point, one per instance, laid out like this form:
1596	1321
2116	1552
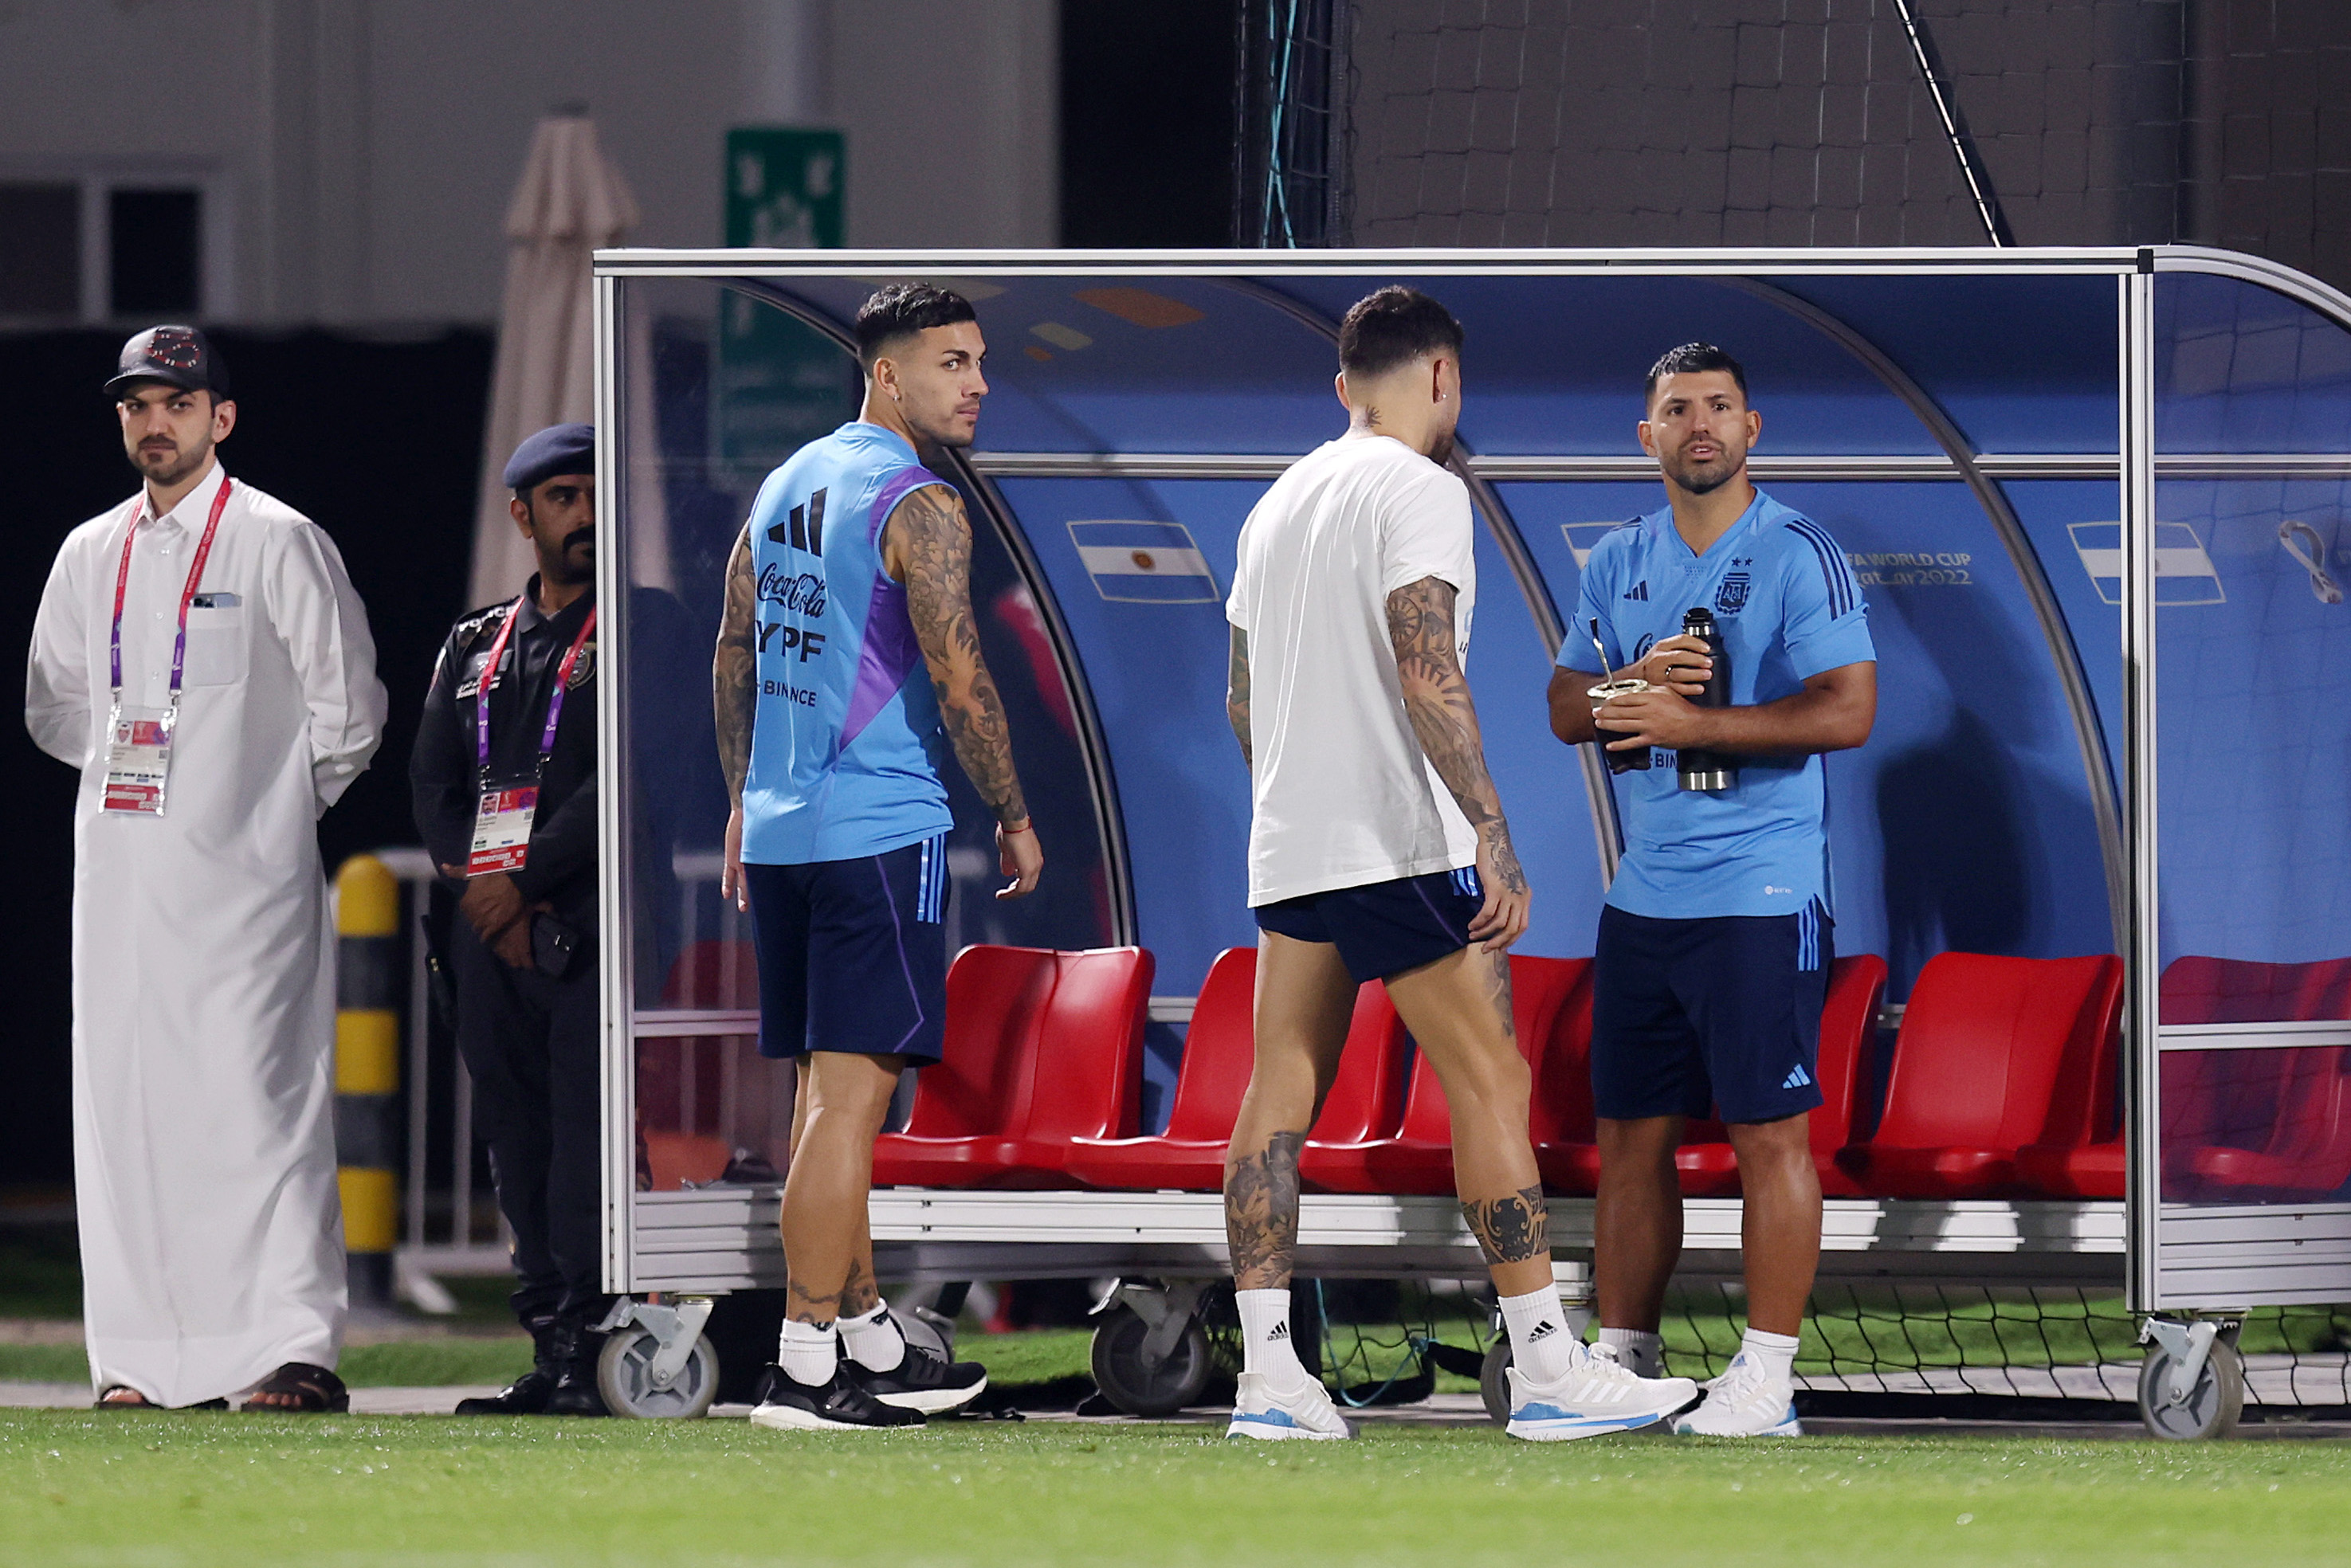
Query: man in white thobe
203	967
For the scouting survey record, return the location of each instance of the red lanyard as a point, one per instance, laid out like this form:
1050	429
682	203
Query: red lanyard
554	703
187	594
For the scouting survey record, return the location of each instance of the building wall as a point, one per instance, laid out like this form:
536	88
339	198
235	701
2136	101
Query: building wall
357	155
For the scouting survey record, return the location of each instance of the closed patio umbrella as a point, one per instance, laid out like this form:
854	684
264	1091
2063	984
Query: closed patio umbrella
572	200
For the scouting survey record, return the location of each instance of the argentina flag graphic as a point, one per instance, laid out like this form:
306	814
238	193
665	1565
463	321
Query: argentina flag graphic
1144	563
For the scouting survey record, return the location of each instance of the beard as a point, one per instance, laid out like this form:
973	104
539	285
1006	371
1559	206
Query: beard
1705	478
574	559
170	468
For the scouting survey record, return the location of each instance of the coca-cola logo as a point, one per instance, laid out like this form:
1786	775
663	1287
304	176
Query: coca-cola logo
803	594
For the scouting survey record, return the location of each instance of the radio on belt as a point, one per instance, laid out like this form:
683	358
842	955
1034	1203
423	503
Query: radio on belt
502	822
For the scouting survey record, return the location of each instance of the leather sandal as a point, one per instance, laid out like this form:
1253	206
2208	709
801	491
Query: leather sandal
315	1391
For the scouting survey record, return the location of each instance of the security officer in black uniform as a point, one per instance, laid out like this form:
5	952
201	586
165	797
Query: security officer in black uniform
522	951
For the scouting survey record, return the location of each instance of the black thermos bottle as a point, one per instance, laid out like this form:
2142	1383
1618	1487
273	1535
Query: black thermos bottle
1708	770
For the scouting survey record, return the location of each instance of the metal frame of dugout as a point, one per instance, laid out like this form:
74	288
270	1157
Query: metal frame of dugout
1973	426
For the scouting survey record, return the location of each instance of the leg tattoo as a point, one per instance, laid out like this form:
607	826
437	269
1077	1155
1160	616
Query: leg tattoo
803	1305
1509	1230
1498	992
1261	1212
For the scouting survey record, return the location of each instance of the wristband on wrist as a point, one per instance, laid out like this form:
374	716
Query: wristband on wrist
1023	827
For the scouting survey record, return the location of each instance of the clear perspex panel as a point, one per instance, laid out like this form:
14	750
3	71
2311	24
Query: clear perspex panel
718	385
2253	636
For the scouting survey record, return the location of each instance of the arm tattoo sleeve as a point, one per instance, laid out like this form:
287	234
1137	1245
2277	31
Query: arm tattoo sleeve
1236	695
934	540
1437	699
1509	1230
1262	1213
735	671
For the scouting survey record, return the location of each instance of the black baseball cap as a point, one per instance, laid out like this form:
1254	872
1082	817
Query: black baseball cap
182	357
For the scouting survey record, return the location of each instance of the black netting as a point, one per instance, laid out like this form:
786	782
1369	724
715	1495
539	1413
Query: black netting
1814	122
2025	1343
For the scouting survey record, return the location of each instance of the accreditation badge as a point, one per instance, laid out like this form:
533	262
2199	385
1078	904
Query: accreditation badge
502	827
139	758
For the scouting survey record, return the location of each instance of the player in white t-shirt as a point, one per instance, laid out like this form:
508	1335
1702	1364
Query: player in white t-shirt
1378	851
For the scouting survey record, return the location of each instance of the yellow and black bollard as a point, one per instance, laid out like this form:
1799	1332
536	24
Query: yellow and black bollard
367	1071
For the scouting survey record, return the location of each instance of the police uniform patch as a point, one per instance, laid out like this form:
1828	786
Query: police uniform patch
583	668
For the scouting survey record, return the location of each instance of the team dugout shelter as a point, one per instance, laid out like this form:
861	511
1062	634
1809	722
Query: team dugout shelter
2091	1023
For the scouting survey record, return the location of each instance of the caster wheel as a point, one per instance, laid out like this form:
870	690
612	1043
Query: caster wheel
2212	1407
1493	1385
624	1376
1140	1390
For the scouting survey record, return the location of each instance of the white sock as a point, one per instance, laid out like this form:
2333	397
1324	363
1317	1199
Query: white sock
1640	1352
871	1339
1775	1351
1541	1345
1265	1338
807	1353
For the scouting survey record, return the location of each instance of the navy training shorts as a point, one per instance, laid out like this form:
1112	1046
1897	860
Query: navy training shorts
1725	1012
1384	928
854	953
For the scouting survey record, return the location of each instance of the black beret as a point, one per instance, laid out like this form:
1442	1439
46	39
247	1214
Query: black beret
558	449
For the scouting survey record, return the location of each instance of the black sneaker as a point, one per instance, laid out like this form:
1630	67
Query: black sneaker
921	1381
841	1405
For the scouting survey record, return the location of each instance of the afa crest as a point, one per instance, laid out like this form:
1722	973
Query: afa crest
1731	597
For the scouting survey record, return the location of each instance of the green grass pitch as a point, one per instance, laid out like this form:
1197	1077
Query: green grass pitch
165	1489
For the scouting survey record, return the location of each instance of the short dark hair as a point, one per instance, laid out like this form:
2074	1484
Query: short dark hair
902	309
1395	325
1689	358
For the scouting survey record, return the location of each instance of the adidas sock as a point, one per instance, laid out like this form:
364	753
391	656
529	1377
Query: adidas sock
807	1353
1640	1352
1266	1347
871	1339
1541	1344
1775	1351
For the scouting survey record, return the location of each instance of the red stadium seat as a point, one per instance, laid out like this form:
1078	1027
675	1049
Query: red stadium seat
2306	1152
1419	1159
1561	1117
1041	1047
1089	1063
1996	1055
1708	1166
1218	1052
713	976
1366	1098
2234	990
2247	1125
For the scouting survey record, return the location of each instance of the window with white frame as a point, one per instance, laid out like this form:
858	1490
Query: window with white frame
109	246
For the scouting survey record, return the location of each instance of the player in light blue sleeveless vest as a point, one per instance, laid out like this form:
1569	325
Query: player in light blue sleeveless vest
845	755
848	661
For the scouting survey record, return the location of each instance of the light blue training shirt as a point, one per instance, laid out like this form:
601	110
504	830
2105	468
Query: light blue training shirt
1788	609
846	746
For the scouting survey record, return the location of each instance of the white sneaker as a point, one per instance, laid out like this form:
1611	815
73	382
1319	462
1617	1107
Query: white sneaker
1597	1395
1270	1415
1748	1400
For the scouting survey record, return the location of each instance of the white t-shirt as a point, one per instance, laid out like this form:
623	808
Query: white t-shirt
1343	795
